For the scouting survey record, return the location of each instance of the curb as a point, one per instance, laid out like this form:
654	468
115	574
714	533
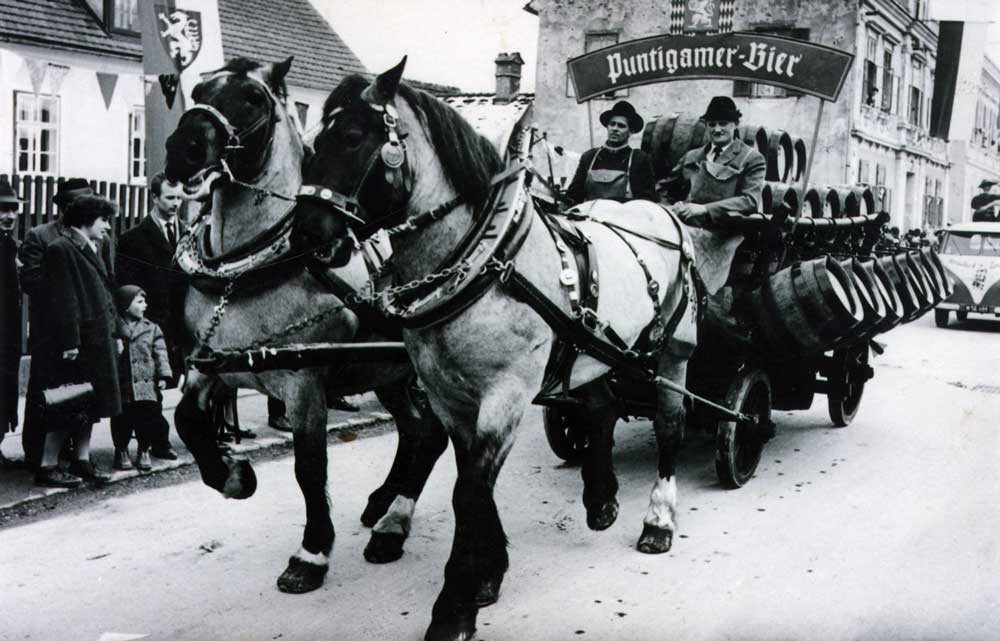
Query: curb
246	446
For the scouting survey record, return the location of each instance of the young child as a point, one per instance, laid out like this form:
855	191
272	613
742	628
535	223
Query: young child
143	370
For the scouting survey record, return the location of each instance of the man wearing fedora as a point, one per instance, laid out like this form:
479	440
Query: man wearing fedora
615	170
35	284
724	176
985	202
10	310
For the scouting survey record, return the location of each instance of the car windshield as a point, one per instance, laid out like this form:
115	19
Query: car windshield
967	243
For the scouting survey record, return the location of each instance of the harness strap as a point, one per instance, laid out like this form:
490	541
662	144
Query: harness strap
369	317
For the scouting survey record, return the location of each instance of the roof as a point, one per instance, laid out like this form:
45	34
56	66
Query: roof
61	24
975	228
272	30
494	121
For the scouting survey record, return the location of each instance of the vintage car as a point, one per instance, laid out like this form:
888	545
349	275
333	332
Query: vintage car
971	254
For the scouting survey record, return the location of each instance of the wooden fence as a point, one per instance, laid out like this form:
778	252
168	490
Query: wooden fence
37	209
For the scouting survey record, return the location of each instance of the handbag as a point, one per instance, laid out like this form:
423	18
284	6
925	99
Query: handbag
73	393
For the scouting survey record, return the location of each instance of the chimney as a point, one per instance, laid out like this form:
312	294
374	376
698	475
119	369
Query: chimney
508	76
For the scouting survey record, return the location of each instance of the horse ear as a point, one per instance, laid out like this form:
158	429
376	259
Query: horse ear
280	70
384	87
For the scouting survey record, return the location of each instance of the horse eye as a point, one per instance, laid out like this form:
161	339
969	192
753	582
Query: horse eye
351	137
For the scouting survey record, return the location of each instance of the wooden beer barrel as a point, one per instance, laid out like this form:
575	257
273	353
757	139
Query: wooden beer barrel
790	195
669	137
894	311
780	156
928	291
765	205
934	266
872	303
823	202
756	136
850	202
903	285
806	308
799	149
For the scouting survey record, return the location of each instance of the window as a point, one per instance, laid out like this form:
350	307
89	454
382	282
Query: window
137	146
302	111
882	193
888	79
124	15
36	133
864	172
593	41
870	80
917	95
743	88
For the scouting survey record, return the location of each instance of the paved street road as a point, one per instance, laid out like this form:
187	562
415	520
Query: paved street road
884	530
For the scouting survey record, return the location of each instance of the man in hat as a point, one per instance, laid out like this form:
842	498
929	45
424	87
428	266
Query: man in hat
10	310
984	203
35	284
615	170
724	176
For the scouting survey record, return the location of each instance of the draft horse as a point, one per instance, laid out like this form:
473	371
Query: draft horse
394	157
239	148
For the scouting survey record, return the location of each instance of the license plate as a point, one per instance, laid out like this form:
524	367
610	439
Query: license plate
977	309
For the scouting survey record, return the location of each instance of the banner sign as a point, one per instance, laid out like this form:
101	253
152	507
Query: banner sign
806	67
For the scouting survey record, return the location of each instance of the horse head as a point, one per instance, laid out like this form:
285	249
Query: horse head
386	150
229	130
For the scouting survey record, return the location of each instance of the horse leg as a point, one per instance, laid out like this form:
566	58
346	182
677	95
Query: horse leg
660	521
422	440
600	486
479	549
306	404
234	478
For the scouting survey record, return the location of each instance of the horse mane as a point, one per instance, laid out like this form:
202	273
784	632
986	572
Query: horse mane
244	66
468	159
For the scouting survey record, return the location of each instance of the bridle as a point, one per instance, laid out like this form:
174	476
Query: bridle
235	137
397	170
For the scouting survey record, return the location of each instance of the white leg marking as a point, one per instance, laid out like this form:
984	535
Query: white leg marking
397	519
316	559
663	504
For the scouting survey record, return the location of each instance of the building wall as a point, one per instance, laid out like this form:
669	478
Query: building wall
976	154
850	131
92	140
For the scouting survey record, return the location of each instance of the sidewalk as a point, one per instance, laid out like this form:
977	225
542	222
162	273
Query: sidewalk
17	482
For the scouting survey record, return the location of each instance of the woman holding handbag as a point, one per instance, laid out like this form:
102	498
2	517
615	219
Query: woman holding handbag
81	348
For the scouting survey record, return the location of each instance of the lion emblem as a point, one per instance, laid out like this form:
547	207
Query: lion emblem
181	34
700	14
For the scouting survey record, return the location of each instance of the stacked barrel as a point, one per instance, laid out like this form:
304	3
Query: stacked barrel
827	299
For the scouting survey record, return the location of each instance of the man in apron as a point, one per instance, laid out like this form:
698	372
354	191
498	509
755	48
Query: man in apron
615	171
724	176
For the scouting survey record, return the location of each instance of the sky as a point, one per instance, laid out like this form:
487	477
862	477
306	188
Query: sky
454	42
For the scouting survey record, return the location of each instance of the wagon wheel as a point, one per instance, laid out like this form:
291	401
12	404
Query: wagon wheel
567	441
739	444
851	371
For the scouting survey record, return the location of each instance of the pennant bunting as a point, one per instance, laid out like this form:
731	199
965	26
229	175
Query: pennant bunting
107	81
36	71
57	73
168	84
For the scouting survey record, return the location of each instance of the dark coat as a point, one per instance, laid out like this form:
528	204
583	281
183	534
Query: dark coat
146	259
735	187
82	315
144	360
33	277
10	333
641	179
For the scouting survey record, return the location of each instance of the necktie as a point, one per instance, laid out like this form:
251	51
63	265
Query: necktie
715	153
171	234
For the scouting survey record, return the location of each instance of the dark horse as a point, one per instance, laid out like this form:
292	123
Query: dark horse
241	146
394	157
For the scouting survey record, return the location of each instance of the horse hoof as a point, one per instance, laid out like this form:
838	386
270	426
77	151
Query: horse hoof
654	540
461	629
384	547
603	516
242	482
301	576
378	505
488	592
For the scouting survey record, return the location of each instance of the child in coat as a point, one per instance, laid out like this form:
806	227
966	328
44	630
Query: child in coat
143	370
